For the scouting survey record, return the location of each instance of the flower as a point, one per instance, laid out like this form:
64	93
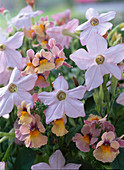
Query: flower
5	76
41	80
16	91
34	138
107	149
63	17
2	10
23	19
24	114
97	23
90	134
99	60
30	2
58	32
56	161
62	100
8	54
59	126
120	99
2	165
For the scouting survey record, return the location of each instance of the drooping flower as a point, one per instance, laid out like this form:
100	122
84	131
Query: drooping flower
23	19
23	113
97	23
2	9
2	165
90	136
62	100
16	91
58	32
41	81
120	99
34	138
56	161
94	118
8	54
63	17
107	149
59	126
99	60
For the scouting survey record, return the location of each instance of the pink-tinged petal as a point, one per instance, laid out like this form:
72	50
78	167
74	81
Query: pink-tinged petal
72	25
59	16
3	61
113	69
114	145
25	129
74	108
93	77
27	82
35	61
83	26
30	53
48	98
15	41
96	44
55	50
6	103
107	16
26	9
85	130
115	54
67	65
104	27
15	76
14	58
35	13
57	161
60	83
120	99
54	111
81	144
72	166
93	140
2	38
121	143
99	144
40	166
77	93
91	12
2	165
108	136
82	59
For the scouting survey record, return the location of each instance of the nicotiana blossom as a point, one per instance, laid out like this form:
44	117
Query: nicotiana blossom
59	32
99	60
120	99
8	54
16	91
23	19
56	161
5	76
97	23
108	148
62	100
2	165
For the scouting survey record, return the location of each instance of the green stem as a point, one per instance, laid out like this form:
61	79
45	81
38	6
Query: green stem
68	33
3	139
8	151
96	99
7	134
118	27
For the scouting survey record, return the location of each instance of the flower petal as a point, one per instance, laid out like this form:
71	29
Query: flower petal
83	26
48	98
3	61
77	93
72	166
91	12
60	83
120	99
40	166
104	27
107	16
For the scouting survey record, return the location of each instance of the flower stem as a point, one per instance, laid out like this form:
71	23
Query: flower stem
68	33
2	134
8	151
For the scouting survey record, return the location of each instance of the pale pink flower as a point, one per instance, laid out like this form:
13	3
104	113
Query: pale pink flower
56	161
41	81
120	99
34	138
58	32
90	136
63	17
2	165
99	60
5	76
97	23
23	19
16	91
8	54
62	100
107	149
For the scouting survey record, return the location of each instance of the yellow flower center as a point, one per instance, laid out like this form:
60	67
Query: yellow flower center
24	113
2	47
61	95
12	88
105	148
34	133
100	59
94	21
86	138
95	118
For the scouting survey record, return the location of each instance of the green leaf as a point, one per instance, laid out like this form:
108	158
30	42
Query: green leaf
118	163
25	159
71	133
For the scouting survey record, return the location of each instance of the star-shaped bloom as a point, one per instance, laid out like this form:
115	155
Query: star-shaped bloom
8	54
97	23
56	161
23	19
99	60
16	91
62	100
58	32
120	99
